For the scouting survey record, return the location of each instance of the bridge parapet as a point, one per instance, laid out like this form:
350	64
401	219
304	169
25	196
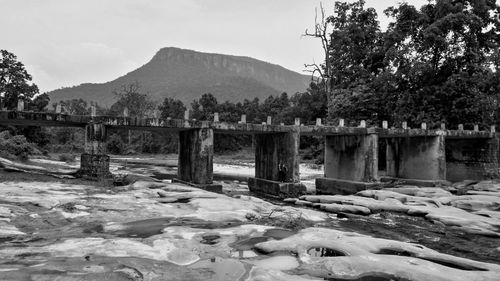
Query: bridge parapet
43	119
58	119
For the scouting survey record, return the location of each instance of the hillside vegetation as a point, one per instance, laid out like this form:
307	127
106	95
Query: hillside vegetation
186	75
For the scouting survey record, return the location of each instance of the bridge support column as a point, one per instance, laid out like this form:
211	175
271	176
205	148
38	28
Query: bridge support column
277	165
351	162
473	159
196	152
420	158
94	161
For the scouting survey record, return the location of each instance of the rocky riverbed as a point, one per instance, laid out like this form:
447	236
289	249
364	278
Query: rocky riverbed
68	229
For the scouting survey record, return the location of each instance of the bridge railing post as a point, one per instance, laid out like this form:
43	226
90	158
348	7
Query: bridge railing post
297	121
341	123
20	105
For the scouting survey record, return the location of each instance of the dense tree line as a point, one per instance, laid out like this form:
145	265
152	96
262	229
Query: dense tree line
437	63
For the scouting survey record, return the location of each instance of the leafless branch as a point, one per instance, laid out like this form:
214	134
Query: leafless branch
321	32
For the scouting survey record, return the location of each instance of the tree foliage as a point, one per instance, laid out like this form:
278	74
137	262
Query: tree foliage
172	108
14	81
75	106
129	96
40	103
438	63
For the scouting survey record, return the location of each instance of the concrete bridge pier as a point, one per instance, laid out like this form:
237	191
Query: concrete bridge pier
94	161
472	158
419	158
196	153
277	165
351	163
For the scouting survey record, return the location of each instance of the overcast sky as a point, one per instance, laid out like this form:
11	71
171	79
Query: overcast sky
69	42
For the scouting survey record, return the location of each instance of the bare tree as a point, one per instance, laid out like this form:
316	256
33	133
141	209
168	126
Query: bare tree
321	72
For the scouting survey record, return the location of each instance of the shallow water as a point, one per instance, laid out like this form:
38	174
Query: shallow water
222	269
421	231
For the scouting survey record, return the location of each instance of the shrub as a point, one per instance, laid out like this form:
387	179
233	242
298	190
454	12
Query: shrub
115	144
16	147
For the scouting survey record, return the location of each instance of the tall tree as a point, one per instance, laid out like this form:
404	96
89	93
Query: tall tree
14	81
321	73
444	56
139	105
129	96
433	64
204	108
40	103
75	106
172	108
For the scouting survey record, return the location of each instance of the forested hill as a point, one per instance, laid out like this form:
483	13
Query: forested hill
186	75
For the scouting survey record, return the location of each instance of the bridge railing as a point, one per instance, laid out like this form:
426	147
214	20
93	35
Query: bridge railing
319	127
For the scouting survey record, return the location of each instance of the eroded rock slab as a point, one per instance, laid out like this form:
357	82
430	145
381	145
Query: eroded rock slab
357	255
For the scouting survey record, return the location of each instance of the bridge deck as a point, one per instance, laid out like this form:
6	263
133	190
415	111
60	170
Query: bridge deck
63	120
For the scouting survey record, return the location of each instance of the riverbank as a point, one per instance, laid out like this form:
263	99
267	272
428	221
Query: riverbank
72	229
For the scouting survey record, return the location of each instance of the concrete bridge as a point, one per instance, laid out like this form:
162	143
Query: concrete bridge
355	157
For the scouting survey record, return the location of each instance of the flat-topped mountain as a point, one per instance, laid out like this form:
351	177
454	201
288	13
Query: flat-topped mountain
186	75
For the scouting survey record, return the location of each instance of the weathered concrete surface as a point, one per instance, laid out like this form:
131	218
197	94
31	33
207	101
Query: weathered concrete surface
94	166
416	158
95	139
94	163
275	188
196	152
27	118
353	158
276	157
472	159
413	153
341	187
